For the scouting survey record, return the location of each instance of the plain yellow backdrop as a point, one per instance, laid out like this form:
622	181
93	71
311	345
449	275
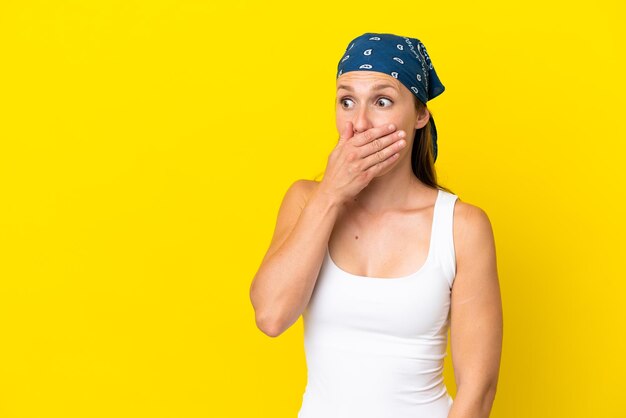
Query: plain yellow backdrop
145	147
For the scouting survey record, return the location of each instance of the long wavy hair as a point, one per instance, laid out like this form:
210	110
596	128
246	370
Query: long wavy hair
422	153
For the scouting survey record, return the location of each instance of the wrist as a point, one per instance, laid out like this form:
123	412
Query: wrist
328	202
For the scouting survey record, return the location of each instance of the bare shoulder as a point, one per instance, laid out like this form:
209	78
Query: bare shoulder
299	193
292	205
295	199
308	186
473	233
469	218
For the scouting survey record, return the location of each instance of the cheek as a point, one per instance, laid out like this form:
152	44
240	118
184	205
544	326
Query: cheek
340	124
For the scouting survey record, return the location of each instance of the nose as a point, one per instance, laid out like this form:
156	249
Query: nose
362	121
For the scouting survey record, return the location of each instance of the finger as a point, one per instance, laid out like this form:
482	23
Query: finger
380	144
374	170
384	155
373	133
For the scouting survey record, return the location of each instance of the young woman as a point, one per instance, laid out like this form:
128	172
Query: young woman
381	260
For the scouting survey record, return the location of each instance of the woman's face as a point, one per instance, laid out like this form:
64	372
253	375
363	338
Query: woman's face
371	98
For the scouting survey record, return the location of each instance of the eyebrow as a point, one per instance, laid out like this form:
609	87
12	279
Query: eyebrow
375	88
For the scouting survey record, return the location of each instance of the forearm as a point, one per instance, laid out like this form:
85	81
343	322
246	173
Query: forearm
284	283
473	401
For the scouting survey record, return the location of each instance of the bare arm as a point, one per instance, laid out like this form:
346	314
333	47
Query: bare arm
476	315
283	285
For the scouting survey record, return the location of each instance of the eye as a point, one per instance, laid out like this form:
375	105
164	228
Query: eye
384	98
342	100
345	99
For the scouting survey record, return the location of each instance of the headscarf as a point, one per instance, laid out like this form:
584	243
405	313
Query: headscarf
403	58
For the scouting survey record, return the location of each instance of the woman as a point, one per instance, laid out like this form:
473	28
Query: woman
381	260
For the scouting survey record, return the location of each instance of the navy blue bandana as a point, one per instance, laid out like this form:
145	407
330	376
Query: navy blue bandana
405	59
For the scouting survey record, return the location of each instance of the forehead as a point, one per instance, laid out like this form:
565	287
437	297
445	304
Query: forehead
367	80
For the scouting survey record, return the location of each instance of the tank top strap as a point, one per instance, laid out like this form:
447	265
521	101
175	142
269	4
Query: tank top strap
443	235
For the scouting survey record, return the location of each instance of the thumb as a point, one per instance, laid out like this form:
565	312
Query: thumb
347	131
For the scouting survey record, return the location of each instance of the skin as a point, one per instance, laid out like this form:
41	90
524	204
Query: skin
383	230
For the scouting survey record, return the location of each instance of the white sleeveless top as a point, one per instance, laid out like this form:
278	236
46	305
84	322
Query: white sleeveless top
375	347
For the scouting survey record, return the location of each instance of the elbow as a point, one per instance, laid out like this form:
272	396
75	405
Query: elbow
489	398
269	327
269	317
265	321
481	393
478	384
482	387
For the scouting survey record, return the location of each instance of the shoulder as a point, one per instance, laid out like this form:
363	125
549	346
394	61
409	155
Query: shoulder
302	189
473	232
295	199
292	205
307	186
468	216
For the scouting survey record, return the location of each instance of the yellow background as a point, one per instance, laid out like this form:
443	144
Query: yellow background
145	147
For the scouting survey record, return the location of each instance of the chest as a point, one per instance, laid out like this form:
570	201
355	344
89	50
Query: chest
408	307
390	247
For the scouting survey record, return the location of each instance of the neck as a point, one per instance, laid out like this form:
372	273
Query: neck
399	189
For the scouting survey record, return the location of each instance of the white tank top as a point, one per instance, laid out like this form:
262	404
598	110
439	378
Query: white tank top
375	347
